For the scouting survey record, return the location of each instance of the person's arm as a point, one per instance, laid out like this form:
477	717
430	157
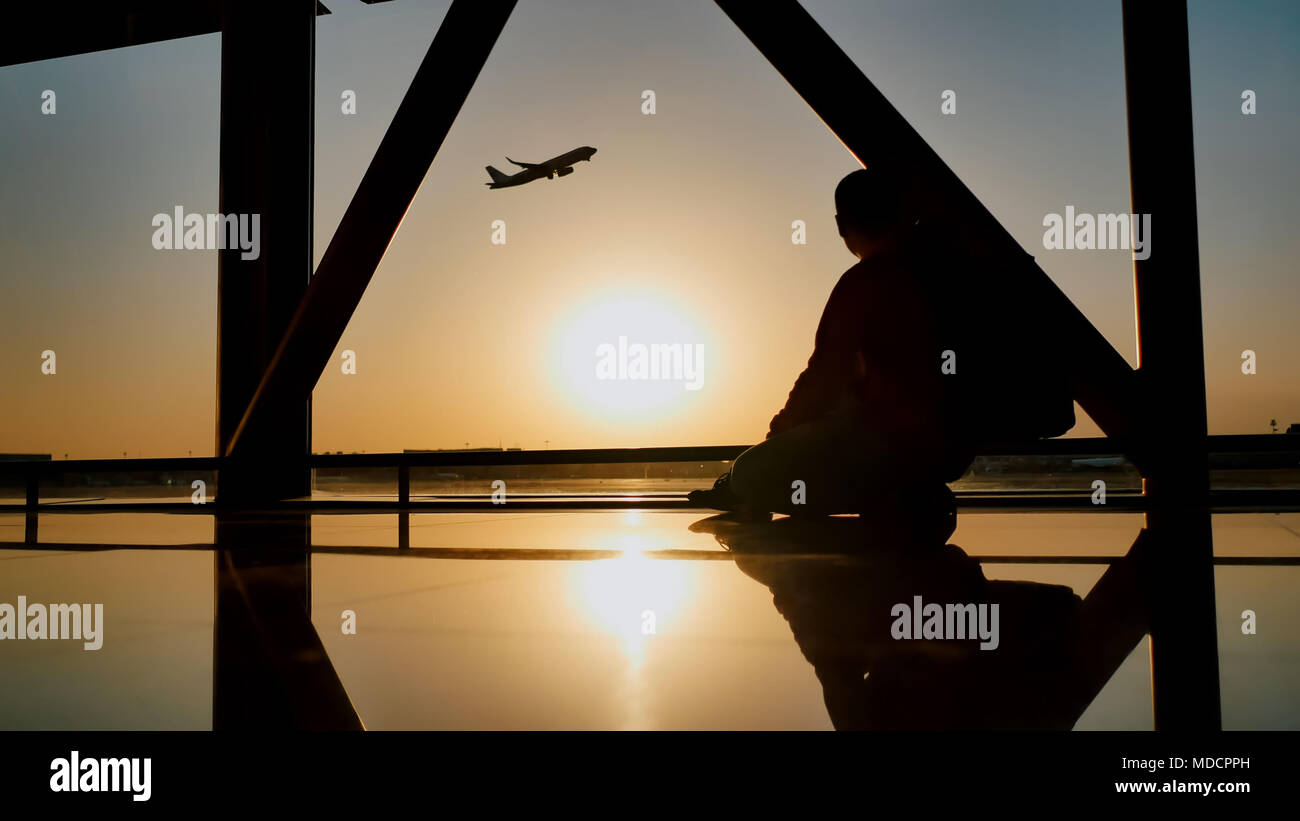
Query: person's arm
829	370
813	394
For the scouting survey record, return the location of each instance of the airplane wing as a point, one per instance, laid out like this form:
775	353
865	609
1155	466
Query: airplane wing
524	164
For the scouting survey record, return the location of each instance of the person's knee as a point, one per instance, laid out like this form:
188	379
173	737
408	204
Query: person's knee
757	478
746	474
765	481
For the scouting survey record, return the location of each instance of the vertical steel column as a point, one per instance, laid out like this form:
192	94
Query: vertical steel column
267	136
437	91
270	670
1180	574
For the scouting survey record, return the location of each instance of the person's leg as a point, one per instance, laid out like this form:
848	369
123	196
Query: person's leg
844	466
794	469
830	465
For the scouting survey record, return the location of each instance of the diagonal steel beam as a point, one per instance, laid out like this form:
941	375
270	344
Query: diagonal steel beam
434	98
875	132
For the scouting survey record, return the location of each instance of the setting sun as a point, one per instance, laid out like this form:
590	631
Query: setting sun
629	354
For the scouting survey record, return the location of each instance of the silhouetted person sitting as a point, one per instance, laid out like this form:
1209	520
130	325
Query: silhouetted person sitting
867	422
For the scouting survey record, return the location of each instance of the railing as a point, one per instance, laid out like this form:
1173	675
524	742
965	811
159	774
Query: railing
1258	452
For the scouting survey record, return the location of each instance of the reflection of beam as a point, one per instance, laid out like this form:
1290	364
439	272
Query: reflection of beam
873	130
1184	632
436	94
270	670
1114	619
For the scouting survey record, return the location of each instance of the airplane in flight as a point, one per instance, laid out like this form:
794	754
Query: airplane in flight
556	166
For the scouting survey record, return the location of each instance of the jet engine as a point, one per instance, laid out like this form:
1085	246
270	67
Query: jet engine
563	171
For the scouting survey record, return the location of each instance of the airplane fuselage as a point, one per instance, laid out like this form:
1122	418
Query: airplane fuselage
556	166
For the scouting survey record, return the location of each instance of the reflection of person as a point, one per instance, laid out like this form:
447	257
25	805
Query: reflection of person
866	415
836	582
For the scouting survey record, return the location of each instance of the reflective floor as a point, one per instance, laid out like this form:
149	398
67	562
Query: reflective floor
639	619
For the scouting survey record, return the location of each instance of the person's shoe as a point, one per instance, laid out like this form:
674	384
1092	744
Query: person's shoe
718	497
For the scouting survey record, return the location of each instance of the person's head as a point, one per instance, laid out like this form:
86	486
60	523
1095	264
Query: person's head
870	210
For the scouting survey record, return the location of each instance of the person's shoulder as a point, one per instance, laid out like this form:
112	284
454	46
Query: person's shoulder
852	279
870	271
857	269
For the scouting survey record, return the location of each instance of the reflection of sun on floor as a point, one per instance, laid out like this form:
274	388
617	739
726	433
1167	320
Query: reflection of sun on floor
633	598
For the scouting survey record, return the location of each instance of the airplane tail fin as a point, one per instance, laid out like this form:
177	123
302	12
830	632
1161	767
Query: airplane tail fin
497	176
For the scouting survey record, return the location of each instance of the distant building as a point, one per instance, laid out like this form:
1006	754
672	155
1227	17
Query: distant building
1294	428
25	457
